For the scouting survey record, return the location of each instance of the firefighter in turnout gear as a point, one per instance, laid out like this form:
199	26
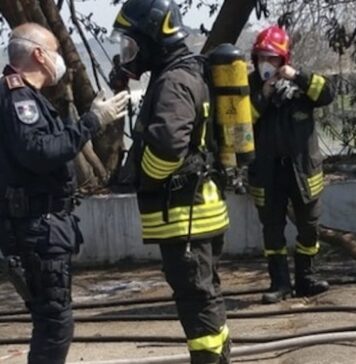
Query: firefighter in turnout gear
288	164
178	183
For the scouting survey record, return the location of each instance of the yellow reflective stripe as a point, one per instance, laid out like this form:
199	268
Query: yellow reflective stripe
257	191
212	343
316	184
258	194
167	27
181	228
203	135
206	109
255	114
156	167
259	201
317	189
315	178
269	252
315	87
182	213
307	250
121	20
210	192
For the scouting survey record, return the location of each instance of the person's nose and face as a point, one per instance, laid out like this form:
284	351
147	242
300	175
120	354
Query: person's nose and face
52	63
268	65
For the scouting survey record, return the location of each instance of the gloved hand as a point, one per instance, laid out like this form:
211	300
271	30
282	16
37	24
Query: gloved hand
111	109
284	90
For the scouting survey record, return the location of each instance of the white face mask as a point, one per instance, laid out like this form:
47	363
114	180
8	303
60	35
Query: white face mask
266	70
59	67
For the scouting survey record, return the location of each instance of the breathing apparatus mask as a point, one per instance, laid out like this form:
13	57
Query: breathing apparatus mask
133	52
266	70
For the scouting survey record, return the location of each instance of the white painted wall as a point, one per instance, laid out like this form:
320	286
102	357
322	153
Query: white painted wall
111	224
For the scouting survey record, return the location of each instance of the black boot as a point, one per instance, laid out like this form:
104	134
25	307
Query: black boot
204	357
280	282
225	355
305	282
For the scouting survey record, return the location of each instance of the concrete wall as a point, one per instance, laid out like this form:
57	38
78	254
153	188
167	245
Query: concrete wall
111	224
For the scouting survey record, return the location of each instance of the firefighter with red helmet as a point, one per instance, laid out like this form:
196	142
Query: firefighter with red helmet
288	163
180	200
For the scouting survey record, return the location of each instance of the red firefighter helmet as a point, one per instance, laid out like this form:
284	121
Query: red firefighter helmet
272	41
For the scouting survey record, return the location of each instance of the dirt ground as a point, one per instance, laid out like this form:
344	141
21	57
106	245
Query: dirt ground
138	281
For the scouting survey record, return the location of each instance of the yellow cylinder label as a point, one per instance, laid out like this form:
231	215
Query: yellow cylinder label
230	75
237	138
232	109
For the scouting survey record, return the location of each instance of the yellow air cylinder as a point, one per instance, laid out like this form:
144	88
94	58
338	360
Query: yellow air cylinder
232	105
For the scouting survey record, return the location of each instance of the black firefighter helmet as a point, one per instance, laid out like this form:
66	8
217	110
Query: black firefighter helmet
160	20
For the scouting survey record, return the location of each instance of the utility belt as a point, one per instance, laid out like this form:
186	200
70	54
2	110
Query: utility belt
196	165
19	205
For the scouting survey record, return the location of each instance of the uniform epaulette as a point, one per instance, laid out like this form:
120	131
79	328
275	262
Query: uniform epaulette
14	81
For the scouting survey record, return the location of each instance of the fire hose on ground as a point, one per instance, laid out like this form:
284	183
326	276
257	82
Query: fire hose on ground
178	339
161	299
103	317
238	352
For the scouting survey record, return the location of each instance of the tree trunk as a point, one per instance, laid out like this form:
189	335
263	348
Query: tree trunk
45	13
229	23
339	238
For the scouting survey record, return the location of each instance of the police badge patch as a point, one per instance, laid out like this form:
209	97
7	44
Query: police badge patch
27	111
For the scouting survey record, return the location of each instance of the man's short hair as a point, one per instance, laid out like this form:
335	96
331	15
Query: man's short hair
23	40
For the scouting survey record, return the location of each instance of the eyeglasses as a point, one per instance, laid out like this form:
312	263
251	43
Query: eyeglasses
128	48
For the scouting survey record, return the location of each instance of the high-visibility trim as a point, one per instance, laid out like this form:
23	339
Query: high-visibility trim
269	252
181	228
212	343
315	178
210	192
122	21
257	191
316	189
156	167
255	114
167	27
206	109
316	86
307	250
316	184
258	194
203	135
182	213
259	201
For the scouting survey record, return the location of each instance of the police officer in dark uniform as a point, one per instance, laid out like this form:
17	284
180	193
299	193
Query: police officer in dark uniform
288	164
179	197
38	231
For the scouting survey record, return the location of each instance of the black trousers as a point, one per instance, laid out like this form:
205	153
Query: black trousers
45	246
195	282
273	213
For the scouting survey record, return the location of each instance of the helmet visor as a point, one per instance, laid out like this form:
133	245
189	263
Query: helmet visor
128	48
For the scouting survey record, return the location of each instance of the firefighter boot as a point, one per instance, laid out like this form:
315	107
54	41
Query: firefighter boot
280	282
204	357
225	354
305	283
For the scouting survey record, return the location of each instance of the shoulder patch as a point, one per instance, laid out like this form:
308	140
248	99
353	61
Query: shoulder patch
14	81
27	111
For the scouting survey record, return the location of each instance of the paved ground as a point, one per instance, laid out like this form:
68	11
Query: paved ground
129	281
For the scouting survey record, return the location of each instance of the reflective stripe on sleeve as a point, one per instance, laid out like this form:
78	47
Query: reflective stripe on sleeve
156	167
316	86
